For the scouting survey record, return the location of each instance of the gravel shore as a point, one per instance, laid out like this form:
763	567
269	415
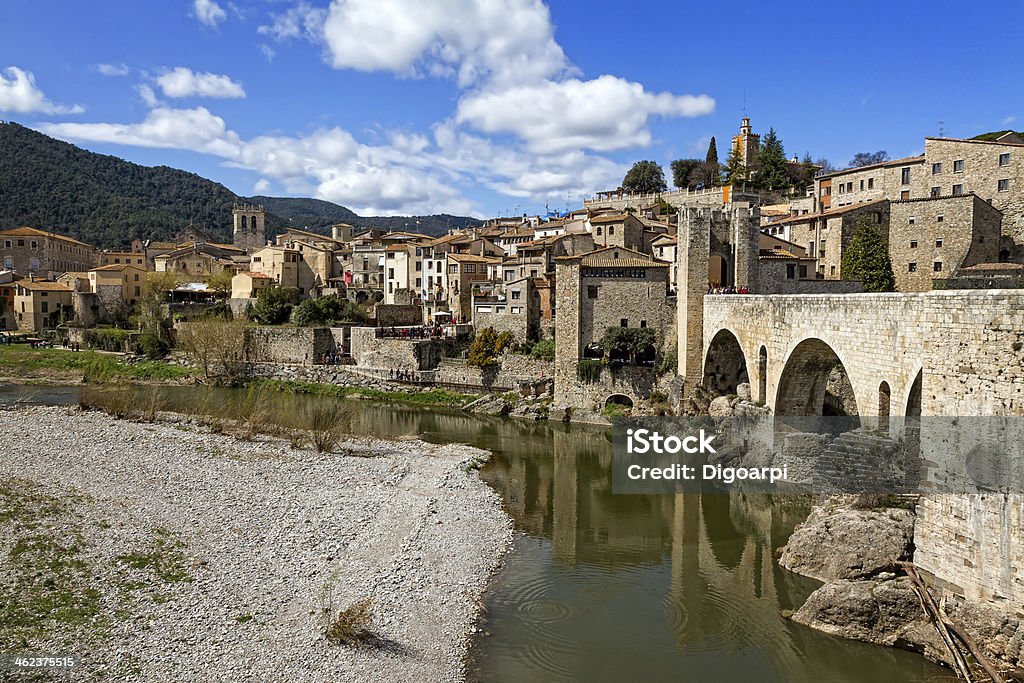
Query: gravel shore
211	558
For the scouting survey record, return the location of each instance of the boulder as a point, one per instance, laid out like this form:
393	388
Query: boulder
720	407
743	391
849	544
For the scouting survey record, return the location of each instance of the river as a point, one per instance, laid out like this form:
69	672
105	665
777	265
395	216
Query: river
605	587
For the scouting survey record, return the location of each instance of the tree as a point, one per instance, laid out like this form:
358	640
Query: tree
220	283
487	345
735	170
274	305
215	345
712	168
869	158
825	166
808	170
327	309
866	258
627	343
683	171
772	169
645	177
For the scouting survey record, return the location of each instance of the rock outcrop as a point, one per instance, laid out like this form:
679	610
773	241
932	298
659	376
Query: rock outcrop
842	543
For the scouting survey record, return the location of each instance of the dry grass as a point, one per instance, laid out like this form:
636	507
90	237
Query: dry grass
350	625
255	414
325	424
117	402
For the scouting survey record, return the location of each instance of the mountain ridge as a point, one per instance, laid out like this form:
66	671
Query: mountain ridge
107	201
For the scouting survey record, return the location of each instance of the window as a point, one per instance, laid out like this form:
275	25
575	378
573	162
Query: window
911	220
598	230
958	166
871	183
937	266
8	244
905	194
469	268
861	185
624	322
936	191
34	245
832	271
453	269
905	176
138	290
937	169
643	324
592	292
391	273
958	190
938	242
419	282
790	271
611	229
21	243
1004	185
913	244
136	277
419	266
803	271
515	293
911	267
877	217
1004	159
810	248
939	218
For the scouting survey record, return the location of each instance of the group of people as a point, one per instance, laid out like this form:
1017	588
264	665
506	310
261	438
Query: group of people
716	288
421	332
402	375
330	358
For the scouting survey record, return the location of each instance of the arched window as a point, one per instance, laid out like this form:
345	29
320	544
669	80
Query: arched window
884	398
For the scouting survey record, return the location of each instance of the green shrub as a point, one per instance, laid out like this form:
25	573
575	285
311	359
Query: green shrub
487	346
589	371
152	345
327	309
274	305
107	339
669	364
544	350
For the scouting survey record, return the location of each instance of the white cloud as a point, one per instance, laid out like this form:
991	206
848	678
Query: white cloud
193	129
262	186
182	82
267	51
300	21
19	93
113	70
147	95
208	12
502	41
606	113
1008	120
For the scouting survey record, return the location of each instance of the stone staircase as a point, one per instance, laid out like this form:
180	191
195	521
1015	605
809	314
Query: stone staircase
862	461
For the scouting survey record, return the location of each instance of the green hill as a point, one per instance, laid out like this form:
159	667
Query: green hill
106	201
996	134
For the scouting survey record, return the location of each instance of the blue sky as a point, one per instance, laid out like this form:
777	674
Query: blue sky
490	107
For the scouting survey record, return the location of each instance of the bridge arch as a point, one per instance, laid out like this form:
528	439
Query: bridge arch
803	387
725	365
618	400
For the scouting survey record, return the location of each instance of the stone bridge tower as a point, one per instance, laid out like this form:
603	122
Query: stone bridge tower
249	232
733	233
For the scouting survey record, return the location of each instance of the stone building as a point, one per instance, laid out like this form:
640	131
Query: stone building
249	230
463	270
610	287
896	179
617	230
41	304
28	251
931	239
825	235
200	260
116	258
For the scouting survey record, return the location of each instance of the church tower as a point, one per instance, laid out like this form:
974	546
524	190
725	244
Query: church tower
747	144
249	232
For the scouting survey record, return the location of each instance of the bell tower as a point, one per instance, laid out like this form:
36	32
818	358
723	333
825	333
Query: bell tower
249	232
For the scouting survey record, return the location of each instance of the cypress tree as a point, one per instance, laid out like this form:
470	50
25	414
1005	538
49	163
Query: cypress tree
772	171
866	258
712	168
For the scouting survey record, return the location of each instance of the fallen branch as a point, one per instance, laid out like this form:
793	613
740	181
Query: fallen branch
960	666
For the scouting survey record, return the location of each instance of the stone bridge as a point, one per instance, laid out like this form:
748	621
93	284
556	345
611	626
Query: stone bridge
932	353
942	353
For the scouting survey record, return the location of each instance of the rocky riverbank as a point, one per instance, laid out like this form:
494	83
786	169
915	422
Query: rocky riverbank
165	552
859	552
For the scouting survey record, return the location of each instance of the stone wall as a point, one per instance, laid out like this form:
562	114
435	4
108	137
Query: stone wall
949	231
372	351
586	400
514	370
398	315
290	345
516	324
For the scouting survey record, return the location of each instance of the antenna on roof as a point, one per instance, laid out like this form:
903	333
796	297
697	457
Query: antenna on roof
744	101
942	129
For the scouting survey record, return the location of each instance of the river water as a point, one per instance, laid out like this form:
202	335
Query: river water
605	587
